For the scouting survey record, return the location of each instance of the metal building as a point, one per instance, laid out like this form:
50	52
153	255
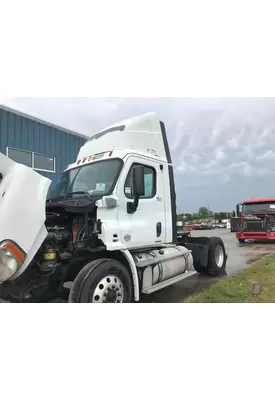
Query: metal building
45	147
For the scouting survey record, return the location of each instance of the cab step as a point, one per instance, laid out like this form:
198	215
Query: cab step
171	281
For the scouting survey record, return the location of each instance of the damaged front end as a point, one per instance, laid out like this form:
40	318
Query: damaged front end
43	243
23	195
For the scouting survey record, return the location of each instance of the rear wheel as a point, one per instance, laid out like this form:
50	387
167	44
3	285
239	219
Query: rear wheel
102	281
216	257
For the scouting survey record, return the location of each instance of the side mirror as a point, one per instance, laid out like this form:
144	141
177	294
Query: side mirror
138	181
239	209
138	188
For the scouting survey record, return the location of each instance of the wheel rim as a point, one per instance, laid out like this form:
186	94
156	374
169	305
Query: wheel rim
219	256
109	290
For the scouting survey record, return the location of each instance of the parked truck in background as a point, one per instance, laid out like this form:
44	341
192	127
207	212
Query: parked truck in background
257	219
108	231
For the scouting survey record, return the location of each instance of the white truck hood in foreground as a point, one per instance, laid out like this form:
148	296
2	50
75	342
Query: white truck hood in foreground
23	194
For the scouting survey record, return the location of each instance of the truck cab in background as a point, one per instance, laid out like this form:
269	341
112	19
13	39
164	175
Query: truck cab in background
108	231
257	220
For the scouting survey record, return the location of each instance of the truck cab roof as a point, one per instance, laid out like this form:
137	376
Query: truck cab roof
144	134
264	200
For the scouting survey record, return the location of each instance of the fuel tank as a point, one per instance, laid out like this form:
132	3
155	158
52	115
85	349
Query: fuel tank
158	265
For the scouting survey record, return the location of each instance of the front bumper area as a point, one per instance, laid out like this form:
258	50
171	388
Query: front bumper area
256	235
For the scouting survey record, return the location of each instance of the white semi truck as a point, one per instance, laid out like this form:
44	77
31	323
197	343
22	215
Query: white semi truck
107	231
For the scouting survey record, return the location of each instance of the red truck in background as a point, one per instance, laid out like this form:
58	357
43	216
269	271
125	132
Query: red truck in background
257	219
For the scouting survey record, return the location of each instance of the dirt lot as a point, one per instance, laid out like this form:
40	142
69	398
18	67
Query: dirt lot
239	256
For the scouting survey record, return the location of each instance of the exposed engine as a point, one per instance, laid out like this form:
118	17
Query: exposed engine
70	234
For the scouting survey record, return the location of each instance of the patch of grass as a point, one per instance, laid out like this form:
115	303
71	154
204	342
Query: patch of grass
239	288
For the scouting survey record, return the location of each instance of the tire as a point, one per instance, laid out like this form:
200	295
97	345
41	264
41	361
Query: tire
241	240
102	281
216	257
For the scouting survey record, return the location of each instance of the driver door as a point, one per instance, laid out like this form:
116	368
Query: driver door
146	226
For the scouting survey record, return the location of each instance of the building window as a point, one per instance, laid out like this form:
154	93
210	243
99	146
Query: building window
43	163
39	162
20	156
149	183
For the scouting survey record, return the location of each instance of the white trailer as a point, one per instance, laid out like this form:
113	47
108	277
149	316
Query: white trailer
108	230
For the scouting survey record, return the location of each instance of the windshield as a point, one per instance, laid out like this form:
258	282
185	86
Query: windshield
259	207
96	179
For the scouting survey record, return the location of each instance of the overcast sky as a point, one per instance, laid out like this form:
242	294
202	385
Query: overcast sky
223	150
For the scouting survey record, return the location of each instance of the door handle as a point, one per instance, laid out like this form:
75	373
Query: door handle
159	229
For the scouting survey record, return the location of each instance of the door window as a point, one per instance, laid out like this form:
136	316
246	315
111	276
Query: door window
149	183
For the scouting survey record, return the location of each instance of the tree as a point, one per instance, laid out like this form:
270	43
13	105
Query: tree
217	216
223	215
233	213
203	212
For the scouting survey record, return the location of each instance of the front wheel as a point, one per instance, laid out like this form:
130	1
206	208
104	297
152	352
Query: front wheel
241	240
102	281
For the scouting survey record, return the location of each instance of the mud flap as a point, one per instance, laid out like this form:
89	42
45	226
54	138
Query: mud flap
200	252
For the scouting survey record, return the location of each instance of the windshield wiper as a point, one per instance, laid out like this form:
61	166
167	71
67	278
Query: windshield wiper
70	194
67	195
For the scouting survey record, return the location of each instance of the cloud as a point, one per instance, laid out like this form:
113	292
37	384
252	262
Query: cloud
223	149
